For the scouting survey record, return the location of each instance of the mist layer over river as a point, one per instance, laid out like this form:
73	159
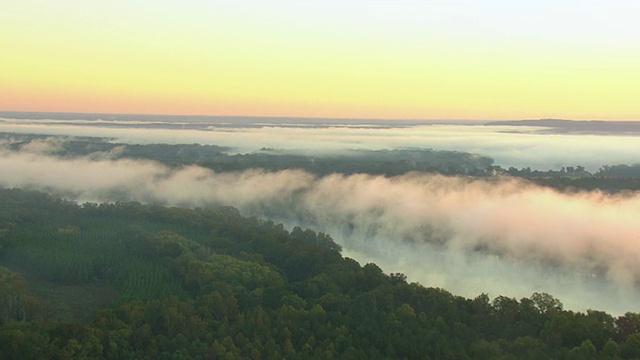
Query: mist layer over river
499	236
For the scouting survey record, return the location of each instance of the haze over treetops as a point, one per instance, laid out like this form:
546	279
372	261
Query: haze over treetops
466	59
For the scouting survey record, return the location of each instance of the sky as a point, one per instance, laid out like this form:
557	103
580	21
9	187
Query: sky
465	59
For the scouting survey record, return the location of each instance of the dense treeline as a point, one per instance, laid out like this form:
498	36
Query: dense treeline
609	178
383	162
164	283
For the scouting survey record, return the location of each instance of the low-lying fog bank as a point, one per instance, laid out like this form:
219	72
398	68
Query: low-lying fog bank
500	236
517	146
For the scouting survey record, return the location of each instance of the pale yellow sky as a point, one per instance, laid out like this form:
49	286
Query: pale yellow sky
386	59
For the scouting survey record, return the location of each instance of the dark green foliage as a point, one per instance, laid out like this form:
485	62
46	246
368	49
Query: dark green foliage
380	162
609	178
619	171
209	283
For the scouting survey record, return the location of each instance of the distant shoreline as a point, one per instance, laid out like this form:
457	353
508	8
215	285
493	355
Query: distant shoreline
203	122
558	126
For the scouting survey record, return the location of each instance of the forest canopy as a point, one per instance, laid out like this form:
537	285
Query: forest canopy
127	280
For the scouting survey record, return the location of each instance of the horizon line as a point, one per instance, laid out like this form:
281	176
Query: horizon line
310	117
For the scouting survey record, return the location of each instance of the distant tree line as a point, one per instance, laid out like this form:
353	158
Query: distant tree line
611	178
382	162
